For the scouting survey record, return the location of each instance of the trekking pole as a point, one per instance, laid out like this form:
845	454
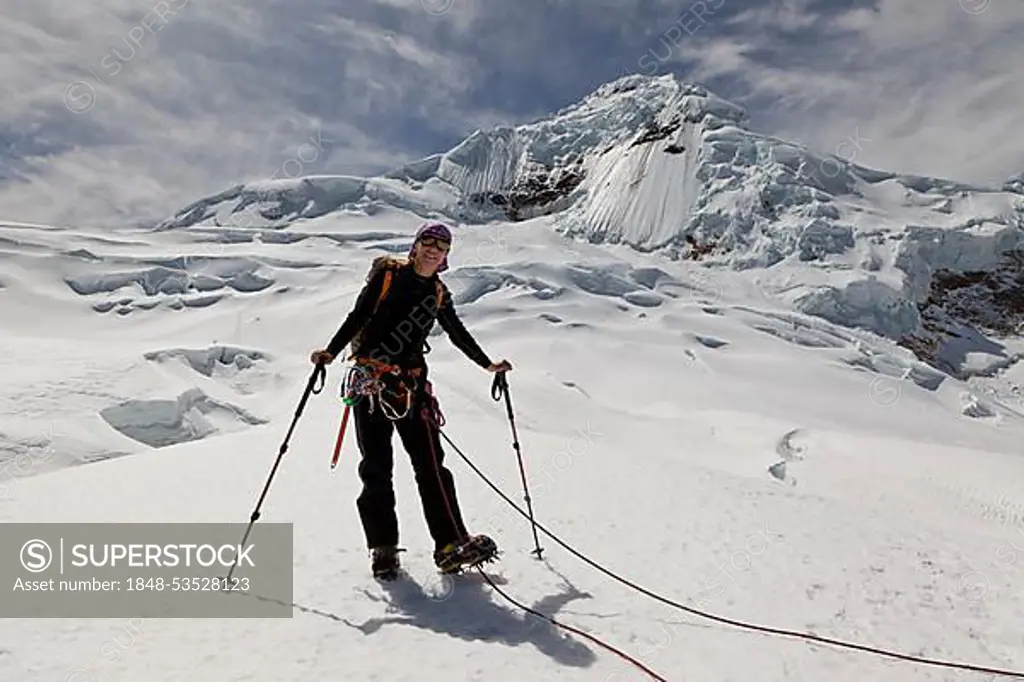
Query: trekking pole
319	373
499	388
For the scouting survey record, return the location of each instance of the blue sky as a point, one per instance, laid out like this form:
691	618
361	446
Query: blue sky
126	110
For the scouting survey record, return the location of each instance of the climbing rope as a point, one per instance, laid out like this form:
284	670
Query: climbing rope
703	614
430	418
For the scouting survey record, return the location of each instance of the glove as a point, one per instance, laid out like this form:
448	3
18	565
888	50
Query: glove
321	356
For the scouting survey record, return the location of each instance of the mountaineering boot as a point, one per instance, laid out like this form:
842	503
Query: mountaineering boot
476	550
384	562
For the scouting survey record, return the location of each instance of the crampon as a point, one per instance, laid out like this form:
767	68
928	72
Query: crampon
385	564
476	551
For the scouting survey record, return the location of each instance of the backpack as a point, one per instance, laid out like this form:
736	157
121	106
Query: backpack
390	265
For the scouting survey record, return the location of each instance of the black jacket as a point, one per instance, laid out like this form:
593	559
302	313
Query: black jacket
397	332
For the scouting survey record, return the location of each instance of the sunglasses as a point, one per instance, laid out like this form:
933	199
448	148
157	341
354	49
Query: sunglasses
435	242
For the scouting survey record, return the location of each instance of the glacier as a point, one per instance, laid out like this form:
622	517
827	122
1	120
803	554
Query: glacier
653	162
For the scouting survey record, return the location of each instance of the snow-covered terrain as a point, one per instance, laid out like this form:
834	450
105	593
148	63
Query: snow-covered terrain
750	433
647	162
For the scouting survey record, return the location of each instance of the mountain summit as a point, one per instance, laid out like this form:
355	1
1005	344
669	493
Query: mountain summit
664	166
576	158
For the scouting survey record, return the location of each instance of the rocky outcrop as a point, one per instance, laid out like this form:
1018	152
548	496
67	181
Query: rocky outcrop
540	191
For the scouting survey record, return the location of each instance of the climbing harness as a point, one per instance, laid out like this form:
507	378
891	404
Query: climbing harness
382	384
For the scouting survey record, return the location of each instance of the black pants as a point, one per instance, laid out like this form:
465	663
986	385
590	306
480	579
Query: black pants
376	502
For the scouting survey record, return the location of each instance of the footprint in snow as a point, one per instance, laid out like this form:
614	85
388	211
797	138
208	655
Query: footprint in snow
573	384
789	452
786	449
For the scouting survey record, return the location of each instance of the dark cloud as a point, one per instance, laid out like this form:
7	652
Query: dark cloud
209	95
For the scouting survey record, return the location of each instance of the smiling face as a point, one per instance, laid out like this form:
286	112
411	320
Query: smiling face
428	254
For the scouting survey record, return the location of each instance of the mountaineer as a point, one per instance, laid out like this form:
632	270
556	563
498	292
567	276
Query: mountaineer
388	328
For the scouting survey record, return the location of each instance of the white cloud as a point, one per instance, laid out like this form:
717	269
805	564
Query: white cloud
132	110
933	87
177	99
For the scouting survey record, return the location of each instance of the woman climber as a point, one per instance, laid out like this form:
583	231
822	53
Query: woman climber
388	328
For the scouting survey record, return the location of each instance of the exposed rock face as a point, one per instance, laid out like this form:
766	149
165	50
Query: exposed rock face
991	300
539	191
971	311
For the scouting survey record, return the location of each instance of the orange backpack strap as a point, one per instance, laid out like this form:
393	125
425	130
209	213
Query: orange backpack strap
440	295
384	288
388	264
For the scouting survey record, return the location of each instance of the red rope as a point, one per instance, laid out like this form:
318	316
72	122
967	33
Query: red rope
728	621
437	470
592	638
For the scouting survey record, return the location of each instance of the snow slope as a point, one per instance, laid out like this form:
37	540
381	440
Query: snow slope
710	445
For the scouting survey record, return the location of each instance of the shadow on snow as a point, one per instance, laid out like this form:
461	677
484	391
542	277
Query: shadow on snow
467	612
